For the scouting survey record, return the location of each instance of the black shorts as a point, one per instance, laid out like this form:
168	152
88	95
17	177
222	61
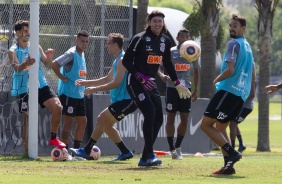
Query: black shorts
122	108
224	106
44	94
174	103
73	106
242	115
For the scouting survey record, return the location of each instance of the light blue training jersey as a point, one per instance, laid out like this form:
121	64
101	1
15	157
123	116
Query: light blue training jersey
119	93
20	79
77	71
239	83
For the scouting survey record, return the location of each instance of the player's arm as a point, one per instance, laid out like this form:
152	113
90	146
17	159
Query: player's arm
226	73
95	82
47	56
18	67
130	54
56	68
196	77
114	83
161	74
253	85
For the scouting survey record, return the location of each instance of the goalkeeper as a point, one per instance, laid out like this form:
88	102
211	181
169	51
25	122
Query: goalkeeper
146	51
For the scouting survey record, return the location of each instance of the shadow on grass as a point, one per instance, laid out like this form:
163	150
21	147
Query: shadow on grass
225	176
19	158
112	162
144	168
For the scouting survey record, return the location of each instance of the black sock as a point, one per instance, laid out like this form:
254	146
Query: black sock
233	143
225	160
228	148
170	143
67	146
122	147
178	141
89	146
53	135
239	137
76	144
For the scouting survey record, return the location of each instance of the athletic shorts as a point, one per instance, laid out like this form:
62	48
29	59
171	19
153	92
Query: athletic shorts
44	94
242	115
122	108
174	103
224	106
73	106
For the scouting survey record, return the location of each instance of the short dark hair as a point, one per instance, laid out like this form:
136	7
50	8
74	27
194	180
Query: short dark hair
82	33
183	31
20	24
117	38
240	19
153	14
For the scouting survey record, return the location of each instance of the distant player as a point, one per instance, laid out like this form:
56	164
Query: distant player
121	105
173	102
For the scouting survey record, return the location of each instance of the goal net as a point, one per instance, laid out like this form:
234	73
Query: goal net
59	21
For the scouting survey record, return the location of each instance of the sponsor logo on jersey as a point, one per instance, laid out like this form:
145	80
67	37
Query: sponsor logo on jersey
148	39
148	48
82	73
182	67
154	59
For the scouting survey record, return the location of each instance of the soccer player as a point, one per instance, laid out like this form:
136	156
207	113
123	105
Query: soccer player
233	87
173	102
70	67
146	51
122	104
20	60
245	111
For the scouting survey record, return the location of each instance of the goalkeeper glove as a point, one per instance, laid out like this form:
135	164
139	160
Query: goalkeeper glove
182	90
145	81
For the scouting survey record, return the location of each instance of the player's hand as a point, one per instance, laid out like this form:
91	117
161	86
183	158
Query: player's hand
49	53
145	81
80	82
270	89
90	90
194	96
29	61
65	79
165	78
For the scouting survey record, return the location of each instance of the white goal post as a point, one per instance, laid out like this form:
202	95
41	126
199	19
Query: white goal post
33	81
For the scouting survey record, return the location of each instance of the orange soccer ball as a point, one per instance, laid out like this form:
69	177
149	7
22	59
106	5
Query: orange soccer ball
190	50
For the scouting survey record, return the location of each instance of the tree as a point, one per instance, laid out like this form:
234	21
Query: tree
266	9
142	8
204	21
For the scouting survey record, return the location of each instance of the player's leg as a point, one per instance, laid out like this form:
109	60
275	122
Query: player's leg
23	109
47	98
184	108
172	100
233	132
245	112
68	120
81	121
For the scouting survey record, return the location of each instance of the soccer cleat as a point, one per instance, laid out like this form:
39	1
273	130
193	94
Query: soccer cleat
233	159
80	152
179	153
241	148
153	161
56	142
124	156
174	155
225	171
142	163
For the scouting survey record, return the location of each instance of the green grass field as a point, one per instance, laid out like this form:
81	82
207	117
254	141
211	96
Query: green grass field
255	167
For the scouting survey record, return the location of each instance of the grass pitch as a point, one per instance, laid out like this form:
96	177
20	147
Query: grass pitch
254	167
